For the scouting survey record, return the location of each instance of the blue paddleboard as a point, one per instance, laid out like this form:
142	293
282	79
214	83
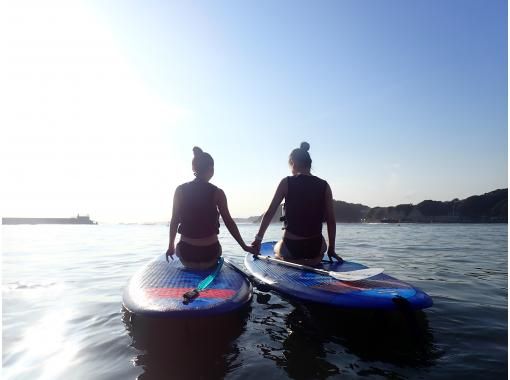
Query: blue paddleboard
378	292
157	290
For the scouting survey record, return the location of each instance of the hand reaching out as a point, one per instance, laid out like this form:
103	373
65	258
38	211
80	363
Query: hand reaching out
251	249
256	247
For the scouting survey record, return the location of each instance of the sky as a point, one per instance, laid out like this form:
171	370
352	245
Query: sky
102	102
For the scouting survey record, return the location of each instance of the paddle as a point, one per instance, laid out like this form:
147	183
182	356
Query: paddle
192	294
355	275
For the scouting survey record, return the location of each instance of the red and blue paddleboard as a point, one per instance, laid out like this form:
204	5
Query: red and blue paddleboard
157	290
378	292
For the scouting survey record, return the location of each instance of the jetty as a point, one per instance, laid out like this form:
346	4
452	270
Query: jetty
77	220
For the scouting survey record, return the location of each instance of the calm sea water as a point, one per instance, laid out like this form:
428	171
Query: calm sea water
62	317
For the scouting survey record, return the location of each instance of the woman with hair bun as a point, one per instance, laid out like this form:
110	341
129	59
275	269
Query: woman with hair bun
196	209
308	202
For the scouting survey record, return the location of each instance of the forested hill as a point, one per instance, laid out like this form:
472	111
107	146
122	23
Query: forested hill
486	208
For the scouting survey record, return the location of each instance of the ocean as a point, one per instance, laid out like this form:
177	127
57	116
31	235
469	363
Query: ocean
62	314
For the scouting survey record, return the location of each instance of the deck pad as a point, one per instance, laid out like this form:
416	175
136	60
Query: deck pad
157	290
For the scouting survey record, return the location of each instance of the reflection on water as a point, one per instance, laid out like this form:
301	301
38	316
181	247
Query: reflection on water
191	348
20	285
315	341
44	342
62	291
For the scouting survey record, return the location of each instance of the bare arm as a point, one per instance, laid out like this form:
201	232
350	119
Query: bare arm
280	193
174	223
331	224
221	201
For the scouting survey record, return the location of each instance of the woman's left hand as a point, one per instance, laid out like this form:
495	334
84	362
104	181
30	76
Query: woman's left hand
251	249
256	247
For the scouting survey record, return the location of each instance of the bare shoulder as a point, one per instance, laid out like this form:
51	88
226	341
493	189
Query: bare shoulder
328	192
181	187
219	195
220	192
283	185
179	190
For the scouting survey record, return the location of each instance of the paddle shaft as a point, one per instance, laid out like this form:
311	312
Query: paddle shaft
294	265
354	275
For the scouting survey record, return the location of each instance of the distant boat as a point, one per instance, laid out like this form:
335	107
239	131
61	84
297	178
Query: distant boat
387	220
78	220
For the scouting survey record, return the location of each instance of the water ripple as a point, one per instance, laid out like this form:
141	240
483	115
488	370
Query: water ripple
62	319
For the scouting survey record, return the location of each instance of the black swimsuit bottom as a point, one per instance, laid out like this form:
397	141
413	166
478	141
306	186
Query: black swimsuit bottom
304	248
196	254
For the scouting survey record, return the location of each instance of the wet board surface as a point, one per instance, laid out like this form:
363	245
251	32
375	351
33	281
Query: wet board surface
379	292
157	289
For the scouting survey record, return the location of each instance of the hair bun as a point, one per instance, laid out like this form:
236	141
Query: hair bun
305	146
197	151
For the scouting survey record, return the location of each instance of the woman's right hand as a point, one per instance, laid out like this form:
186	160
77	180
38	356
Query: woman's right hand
332	254
170	252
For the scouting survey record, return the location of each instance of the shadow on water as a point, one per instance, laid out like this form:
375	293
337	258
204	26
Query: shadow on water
318	341
192	348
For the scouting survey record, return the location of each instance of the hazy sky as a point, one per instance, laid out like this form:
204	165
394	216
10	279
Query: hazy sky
102	101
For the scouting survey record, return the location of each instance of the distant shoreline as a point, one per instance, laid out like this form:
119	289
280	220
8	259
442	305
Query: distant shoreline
490	207
487	208
77	220
390	223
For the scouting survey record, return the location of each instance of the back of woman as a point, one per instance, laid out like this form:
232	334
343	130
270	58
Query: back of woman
197	207
308	203
304	205
199	213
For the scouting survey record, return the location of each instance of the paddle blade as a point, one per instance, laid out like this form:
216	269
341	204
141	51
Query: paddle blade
356	275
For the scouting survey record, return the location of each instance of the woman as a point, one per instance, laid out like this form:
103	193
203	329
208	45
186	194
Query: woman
308	202
196	209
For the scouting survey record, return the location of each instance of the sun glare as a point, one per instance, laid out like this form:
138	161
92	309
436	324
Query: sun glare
79	118
45	342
